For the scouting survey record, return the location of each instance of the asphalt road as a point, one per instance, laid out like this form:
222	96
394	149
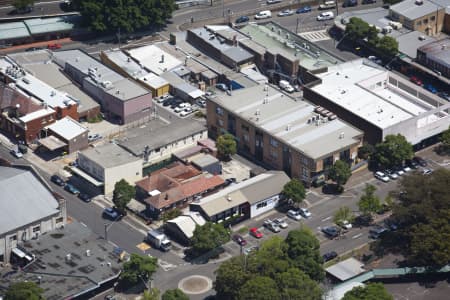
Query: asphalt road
47	8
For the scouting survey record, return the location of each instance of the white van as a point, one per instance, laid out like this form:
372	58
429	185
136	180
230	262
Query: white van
328	5
328	15
265	14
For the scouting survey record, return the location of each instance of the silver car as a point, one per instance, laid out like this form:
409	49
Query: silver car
281	223
293	214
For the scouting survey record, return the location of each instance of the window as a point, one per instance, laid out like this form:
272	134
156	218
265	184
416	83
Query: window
37	228
418	23
219	111
245	137
305	172
433	18
13	238
425	21
274	142
261	205
274	154
304	160
245	127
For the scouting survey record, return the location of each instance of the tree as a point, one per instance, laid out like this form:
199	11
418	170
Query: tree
392	151
445	140
369	202
123	15
356	29
372	291
175	294
343	214
208	237
230	277
139	268
171	214
271	258
295	191
388	45
340	172
22	5
296	285
259	288
153	294
303	252
372	36
24	291
365	151
123	193
226	145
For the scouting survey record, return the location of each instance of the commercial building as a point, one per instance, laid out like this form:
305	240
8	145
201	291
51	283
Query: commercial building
380	102
282	133
28	209
175	186
154	59
244	200
182	227
107	164
422	15
436	56
121	99
66	134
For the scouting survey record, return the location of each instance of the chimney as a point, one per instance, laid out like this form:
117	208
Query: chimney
162	58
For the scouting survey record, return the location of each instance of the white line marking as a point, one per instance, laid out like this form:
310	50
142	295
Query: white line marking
326	219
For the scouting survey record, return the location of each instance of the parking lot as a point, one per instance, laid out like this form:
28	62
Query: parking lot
177	106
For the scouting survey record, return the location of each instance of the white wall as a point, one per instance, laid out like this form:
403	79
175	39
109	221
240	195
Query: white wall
265	206
131	172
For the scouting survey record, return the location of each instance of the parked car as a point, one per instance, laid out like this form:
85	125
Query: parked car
16	153
71	189
430	88
444	95
304	9
187	111
391	174
305	212
281	223
222	87
111	213
419	160
230	181
345	224
381	176
33	49
179	108
249	250
416	80
329	256
242	19
255	233
58	180
163	98
363	220
376	232
271	226
84	197
391	224
399	170
54	46
286	12
94	137
350	3
412	163
369	1
148	220
293	214
273	1
328	15
263	15
201	103
168	102
331	231
406	169
239	240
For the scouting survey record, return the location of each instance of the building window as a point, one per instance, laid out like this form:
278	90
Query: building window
274	142
418	23
13	238
304	160
246	137
305	172
425	21
432	18
273	154
245	127
219	111
261	205
37	228
327	162
220	122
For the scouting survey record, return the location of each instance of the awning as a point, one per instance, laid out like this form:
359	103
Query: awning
87	177
18	252
52	143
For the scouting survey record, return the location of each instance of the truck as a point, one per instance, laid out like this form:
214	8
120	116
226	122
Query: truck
158	240
285	85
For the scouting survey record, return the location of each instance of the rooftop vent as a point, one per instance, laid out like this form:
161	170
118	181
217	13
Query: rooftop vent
419	2
88	252
288	127
162	58
341	135
68	257
52	93
229	198
258	112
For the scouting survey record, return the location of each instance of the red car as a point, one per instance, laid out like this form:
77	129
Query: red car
416	80
256	233
54	46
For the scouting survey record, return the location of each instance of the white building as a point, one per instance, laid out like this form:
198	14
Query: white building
107	164
28	208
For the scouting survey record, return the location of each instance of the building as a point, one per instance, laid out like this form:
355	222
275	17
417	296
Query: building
182	227
282	133
346	269
175	186
244	200
154	59
422	15
107	164
379	102
121	99
67	134
29	208
436	56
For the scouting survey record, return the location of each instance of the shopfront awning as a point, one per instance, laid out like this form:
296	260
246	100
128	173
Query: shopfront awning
87	177
52	143
18	252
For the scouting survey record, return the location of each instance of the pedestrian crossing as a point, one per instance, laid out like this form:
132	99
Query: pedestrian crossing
315	36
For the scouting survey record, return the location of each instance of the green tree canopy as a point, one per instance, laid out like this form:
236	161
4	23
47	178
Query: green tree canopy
343	214
369	202
365	151
296	285
445	140
295	191
356	29
423	212
138	269
126	15
372	291
152	294
208	237
259	288
271	258
20	5
175	294
226	145
230	277
24	291
340	172
393	151
372	36
388	45
123	193
303	251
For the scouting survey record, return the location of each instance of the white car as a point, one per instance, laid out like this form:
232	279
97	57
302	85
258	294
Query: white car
406	169
263	15
381	176
346	224
16	154
178	109
391	174
163	98
293	214
273	1
185	112
184	105
286	12
328	15
305	212
281	223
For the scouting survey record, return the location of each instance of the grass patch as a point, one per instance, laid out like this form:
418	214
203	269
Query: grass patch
199	114
243	230
97	119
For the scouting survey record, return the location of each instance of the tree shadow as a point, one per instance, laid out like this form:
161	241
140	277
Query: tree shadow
332	189
441	150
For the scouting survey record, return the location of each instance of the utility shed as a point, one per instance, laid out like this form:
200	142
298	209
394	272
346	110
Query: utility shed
346	269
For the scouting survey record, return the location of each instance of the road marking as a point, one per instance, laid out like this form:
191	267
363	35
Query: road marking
357	236
83	224
315	36
326	219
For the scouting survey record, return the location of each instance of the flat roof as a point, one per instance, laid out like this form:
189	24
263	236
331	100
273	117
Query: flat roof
126	89
154	59
67	128
154	80
37	114
51	25
358	86
126	63
279	40
190	90
289	120
158	133
410	10
13	30
203	160
109	155
24	199
346	269
438	51
408	43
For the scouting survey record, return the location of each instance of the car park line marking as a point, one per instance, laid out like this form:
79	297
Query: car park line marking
357	236
83	224
326	219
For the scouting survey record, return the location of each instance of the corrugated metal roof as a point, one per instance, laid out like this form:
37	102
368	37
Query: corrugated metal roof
13	30
58	24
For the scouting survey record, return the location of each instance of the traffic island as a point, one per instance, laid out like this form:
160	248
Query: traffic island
195	285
